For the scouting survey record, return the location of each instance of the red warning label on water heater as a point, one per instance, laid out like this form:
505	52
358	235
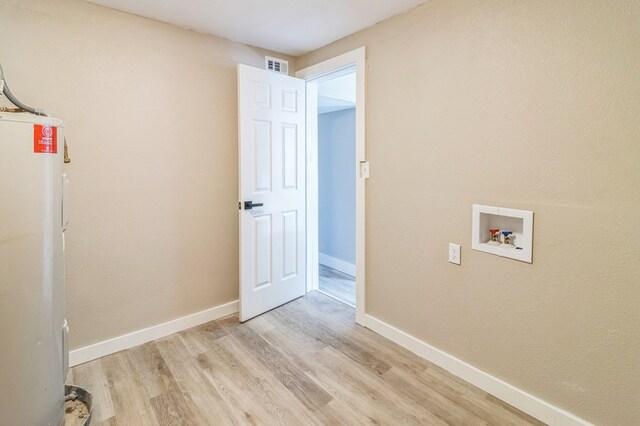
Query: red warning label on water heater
45	139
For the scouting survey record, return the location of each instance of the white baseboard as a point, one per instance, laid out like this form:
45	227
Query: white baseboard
518	398
126	341
337	264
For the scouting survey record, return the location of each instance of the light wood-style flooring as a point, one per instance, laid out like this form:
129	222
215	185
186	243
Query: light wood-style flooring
304	363
337	284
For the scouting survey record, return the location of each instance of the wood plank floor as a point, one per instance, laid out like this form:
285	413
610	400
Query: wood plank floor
304	363
337	284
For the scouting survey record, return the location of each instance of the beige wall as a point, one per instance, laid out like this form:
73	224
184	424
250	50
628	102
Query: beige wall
525	104
528	104
150	116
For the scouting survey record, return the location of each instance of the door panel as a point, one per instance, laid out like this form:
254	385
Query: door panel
289	156
289	100
289	244
271	172
262	256
262	155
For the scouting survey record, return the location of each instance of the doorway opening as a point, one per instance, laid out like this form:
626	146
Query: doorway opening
336	174
337	185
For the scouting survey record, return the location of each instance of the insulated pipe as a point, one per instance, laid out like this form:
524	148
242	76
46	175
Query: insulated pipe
16	101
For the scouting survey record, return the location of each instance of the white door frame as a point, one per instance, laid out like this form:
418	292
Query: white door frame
350	59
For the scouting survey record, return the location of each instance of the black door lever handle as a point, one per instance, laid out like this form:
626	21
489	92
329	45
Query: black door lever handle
248	205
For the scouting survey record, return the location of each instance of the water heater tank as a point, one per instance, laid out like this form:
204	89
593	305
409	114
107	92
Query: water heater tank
32	371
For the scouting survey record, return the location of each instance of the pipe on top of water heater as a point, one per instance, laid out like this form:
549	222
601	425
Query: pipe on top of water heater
16	101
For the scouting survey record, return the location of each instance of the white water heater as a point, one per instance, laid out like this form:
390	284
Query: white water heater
33	353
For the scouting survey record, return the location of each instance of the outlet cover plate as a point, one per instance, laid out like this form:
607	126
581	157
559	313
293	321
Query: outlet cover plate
454	253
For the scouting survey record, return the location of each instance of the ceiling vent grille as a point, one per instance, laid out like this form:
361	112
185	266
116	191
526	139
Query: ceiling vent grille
277	65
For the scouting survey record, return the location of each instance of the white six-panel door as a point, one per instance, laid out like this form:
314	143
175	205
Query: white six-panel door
271	114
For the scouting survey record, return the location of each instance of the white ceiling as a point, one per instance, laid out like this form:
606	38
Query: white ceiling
341	87
293	27
336	94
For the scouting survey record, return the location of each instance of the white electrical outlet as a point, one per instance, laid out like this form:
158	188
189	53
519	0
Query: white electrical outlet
454	253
